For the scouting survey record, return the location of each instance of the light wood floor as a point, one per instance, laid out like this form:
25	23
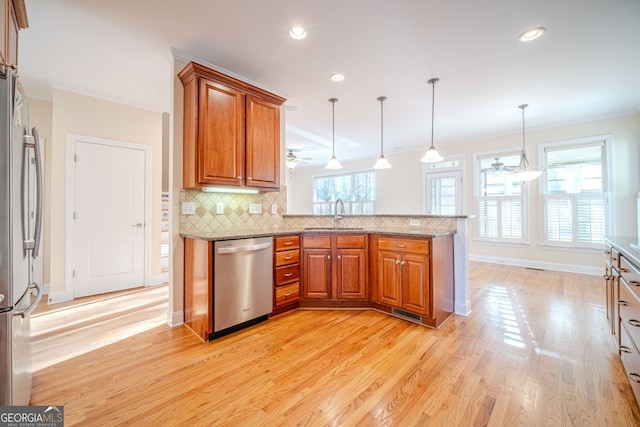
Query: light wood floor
535	351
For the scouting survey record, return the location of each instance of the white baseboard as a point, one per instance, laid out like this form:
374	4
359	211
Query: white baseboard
158	279
175	318
568	268
46	288
58	297
463	309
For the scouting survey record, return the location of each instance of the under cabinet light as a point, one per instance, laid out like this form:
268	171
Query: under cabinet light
229	190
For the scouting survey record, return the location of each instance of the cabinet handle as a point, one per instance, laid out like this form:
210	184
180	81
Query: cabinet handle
288	294
634	377
607	252
401	245
624	270
634	283
624	349
239	177
614	259
622	303
339	256
288	274
248	178
397	261
634	322
403	262
287	258
328	256
288	243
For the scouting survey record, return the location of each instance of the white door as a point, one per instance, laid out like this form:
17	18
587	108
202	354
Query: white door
109	218
444	193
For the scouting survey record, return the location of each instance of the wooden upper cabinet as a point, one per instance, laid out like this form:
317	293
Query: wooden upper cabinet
231	131
262	143
14	18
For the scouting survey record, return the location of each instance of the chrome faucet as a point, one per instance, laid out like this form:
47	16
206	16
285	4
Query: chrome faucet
338	216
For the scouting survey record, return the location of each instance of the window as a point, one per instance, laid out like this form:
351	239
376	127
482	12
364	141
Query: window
500	202
443	186
357	190
574	189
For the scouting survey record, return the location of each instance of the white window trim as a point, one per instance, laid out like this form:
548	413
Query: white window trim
608	190
462	167
526	235
340	173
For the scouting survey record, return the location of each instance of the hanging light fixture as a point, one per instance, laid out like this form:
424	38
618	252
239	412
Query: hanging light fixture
382	162
333	161
432	155
524	173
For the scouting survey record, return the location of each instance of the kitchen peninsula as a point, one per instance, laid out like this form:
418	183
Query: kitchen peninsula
380	262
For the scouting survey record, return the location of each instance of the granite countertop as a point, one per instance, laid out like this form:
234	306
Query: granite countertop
628	246
246	234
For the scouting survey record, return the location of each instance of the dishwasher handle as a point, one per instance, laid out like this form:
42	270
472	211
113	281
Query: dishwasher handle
236	249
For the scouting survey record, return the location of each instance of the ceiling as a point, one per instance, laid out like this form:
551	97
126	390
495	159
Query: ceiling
585	66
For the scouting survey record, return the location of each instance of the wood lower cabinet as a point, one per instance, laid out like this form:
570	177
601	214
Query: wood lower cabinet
414	275
286	260
335	267
231	131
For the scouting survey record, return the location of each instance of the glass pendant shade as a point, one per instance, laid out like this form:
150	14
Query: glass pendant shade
524	173
432	155
382	162
333	161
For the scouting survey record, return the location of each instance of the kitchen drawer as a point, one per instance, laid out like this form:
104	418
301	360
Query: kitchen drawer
351	241
630	273
287	294
630	361
629	309
287	242
287	257
404	245
287	274
318	241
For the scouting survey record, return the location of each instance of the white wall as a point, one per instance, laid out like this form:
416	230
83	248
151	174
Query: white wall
400	188
79	114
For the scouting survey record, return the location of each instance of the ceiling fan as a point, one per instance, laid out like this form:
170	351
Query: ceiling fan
498	166
292	160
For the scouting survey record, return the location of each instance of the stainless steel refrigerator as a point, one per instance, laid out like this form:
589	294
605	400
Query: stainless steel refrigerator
20	232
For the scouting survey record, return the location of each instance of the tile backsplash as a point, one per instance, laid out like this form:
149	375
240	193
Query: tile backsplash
236	210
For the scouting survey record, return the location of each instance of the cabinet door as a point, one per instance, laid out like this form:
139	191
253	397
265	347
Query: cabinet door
317	274
220	150
351	269
415	283
389	288
262	143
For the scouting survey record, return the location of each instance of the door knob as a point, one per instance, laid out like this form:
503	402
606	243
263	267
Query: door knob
138	225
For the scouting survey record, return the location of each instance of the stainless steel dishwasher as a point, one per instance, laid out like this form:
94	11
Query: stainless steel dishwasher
243	283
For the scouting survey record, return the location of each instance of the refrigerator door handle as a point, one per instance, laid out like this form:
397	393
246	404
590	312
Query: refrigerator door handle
27	240
37	234
27	311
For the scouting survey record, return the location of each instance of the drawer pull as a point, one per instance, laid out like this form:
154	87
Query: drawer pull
288	274
287	258
624	270
607	252
288	243
622	303
401	245
288	294
634	322
634	283
624	349
634	377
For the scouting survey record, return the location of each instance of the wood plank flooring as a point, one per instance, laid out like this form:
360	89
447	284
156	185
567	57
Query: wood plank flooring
535	351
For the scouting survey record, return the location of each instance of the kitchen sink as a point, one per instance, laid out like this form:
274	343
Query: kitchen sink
332	228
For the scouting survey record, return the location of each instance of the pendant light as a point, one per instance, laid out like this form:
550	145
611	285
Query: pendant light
524	172
333	161
382	163
432	155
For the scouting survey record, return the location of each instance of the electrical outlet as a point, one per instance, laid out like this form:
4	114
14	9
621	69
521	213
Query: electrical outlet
255	209
274	209
414	223
219	208
188	208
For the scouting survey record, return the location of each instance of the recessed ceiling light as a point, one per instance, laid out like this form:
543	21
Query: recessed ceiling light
532	34
297	33
337	77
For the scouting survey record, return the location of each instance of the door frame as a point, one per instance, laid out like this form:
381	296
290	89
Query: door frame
450	165
72	139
